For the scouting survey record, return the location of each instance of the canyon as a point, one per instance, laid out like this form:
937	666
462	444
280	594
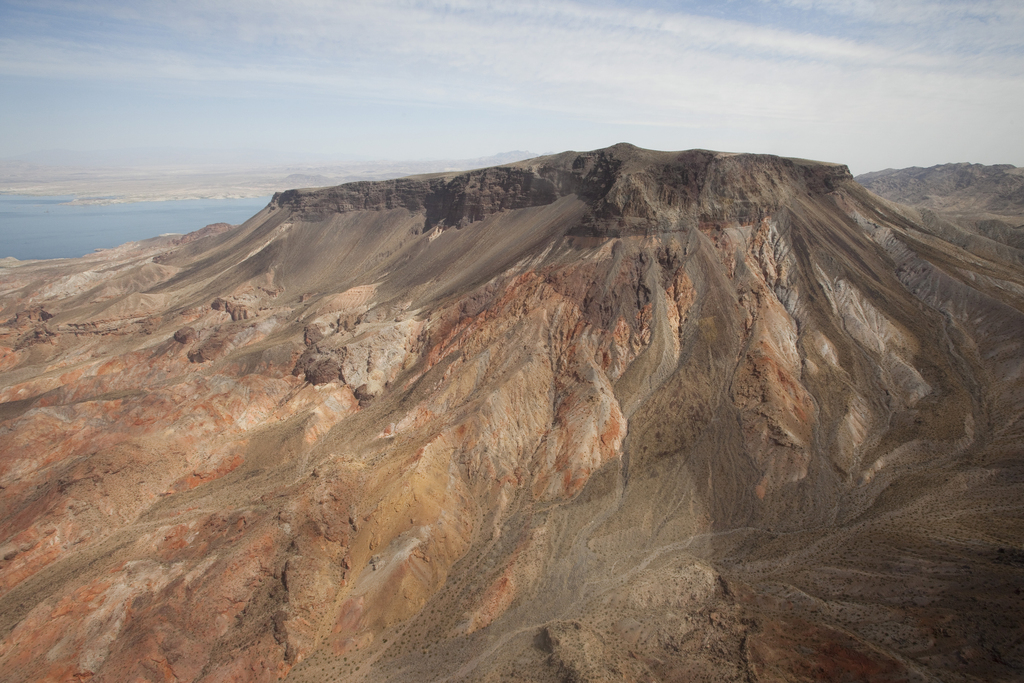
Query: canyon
593	416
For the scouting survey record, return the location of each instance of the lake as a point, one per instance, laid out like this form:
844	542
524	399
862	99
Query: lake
46	227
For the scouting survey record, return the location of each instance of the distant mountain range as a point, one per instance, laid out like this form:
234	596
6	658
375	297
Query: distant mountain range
250	158
121	178
958	188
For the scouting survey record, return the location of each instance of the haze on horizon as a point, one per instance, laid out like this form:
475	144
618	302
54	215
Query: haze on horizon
866	83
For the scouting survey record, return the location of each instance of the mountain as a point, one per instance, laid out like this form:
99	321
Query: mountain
959	198
958	188
612	415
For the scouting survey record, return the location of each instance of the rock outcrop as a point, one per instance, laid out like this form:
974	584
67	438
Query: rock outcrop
209	231
186	335
614	415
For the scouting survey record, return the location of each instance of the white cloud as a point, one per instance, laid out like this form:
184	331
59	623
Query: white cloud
862	64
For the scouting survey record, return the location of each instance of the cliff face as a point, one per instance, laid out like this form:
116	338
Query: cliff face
610	415
628	190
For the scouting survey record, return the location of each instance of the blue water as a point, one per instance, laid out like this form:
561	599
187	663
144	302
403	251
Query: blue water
46	227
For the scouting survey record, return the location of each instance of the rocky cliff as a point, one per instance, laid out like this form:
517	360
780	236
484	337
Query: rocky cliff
615	415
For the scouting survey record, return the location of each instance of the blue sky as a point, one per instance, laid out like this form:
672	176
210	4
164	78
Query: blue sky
870	84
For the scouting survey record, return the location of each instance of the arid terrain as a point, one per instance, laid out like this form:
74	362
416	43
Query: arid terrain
618	415
988	200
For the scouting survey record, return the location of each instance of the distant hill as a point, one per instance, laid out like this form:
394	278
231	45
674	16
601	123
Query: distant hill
957	188
124	178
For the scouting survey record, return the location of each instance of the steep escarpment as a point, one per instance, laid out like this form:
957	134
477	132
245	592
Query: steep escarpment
446	201
618	414
628	189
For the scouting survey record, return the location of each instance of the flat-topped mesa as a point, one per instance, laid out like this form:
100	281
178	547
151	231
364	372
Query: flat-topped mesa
629	190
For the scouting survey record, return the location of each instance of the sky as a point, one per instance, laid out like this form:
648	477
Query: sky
871	84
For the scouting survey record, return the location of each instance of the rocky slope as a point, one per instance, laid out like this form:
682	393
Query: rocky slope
960	188
621	415
972	198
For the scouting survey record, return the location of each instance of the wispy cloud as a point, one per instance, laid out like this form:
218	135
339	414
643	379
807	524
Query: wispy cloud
794	62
